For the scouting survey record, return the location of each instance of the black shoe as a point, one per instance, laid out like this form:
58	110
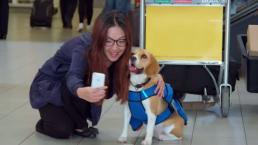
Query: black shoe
94	130
87	132
67	24
3	36
39	126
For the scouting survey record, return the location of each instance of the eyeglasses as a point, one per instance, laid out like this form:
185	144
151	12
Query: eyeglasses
119	42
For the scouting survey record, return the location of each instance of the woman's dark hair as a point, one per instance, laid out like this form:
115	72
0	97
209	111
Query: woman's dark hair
96	63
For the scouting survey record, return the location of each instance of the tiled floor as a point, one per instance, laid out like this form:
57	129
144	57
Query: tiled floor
26	49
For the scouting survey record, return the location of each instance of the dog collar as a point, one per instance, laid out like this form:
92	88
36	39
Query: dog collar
141	85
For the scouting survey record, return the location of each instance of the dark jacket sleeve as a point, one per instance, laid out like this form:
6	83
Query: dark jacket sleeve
76	73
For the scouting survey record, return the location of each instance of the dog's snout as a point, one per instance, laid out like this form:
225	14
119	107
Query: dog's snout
133	59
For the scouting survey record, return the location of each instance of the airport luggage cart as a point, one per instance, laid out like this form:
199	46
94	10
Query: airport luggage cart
190	32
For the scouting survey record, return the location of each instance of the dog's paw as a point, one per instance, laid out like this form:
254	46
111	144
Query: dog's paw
122	139
147	142
169	137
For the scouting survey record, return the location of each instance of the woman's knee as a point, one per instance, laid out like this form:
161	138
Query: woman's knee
62	130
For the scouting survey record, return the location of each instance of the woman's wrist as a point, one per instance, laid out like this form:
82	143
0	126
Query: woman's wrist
79	92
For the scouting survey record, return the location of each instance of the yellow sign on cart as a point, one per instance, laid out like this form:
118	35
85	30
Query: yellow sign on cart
188	33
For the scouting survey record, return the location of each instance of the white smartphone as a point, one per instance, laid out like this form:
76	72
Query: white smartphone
98	80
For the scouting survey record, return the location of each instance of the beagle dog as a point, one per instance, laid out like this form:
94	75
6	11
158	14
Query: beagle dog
164	117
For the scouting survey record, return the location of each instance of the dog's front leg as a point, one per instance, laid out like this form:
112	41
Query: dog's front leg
150	124
127	116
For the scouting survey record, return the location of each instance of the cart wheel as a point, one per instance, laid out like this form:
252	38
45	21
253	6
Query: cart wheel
225	101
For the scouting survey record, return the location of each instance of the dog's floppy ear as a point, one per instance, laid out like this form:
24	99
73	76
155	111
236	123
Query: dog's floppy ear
153	67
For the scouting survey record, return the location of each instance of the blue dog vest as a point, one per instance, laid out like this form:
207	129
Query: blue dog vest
138	115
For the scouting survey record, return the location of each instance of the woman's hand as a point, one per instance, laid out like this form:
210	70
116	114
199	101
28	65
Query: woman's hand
160	87
91	94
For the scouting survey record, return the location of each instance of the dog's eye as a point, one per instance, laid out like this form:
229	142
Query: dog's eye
143	56
132	53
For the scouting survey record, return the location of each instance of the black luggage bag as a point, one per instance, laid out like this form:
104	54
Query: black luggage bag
41	14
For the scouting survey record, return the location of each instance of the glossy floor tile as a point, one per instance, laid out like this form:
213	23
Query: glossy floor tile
26	49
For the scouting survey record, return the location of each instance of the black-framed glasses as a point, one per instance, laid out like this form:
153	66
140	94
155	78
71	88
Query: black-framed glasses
119	42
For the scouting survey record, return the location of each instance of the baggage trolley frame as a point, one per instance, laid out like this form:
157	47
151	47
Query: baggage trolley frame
223	88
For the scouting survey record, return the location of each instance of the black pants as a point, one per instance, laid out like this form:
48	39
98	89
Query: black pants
85	10
67	8
60	122
4	13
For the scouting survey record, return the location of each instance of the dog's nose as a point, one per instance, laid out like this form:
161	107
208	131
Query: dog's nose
133	59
